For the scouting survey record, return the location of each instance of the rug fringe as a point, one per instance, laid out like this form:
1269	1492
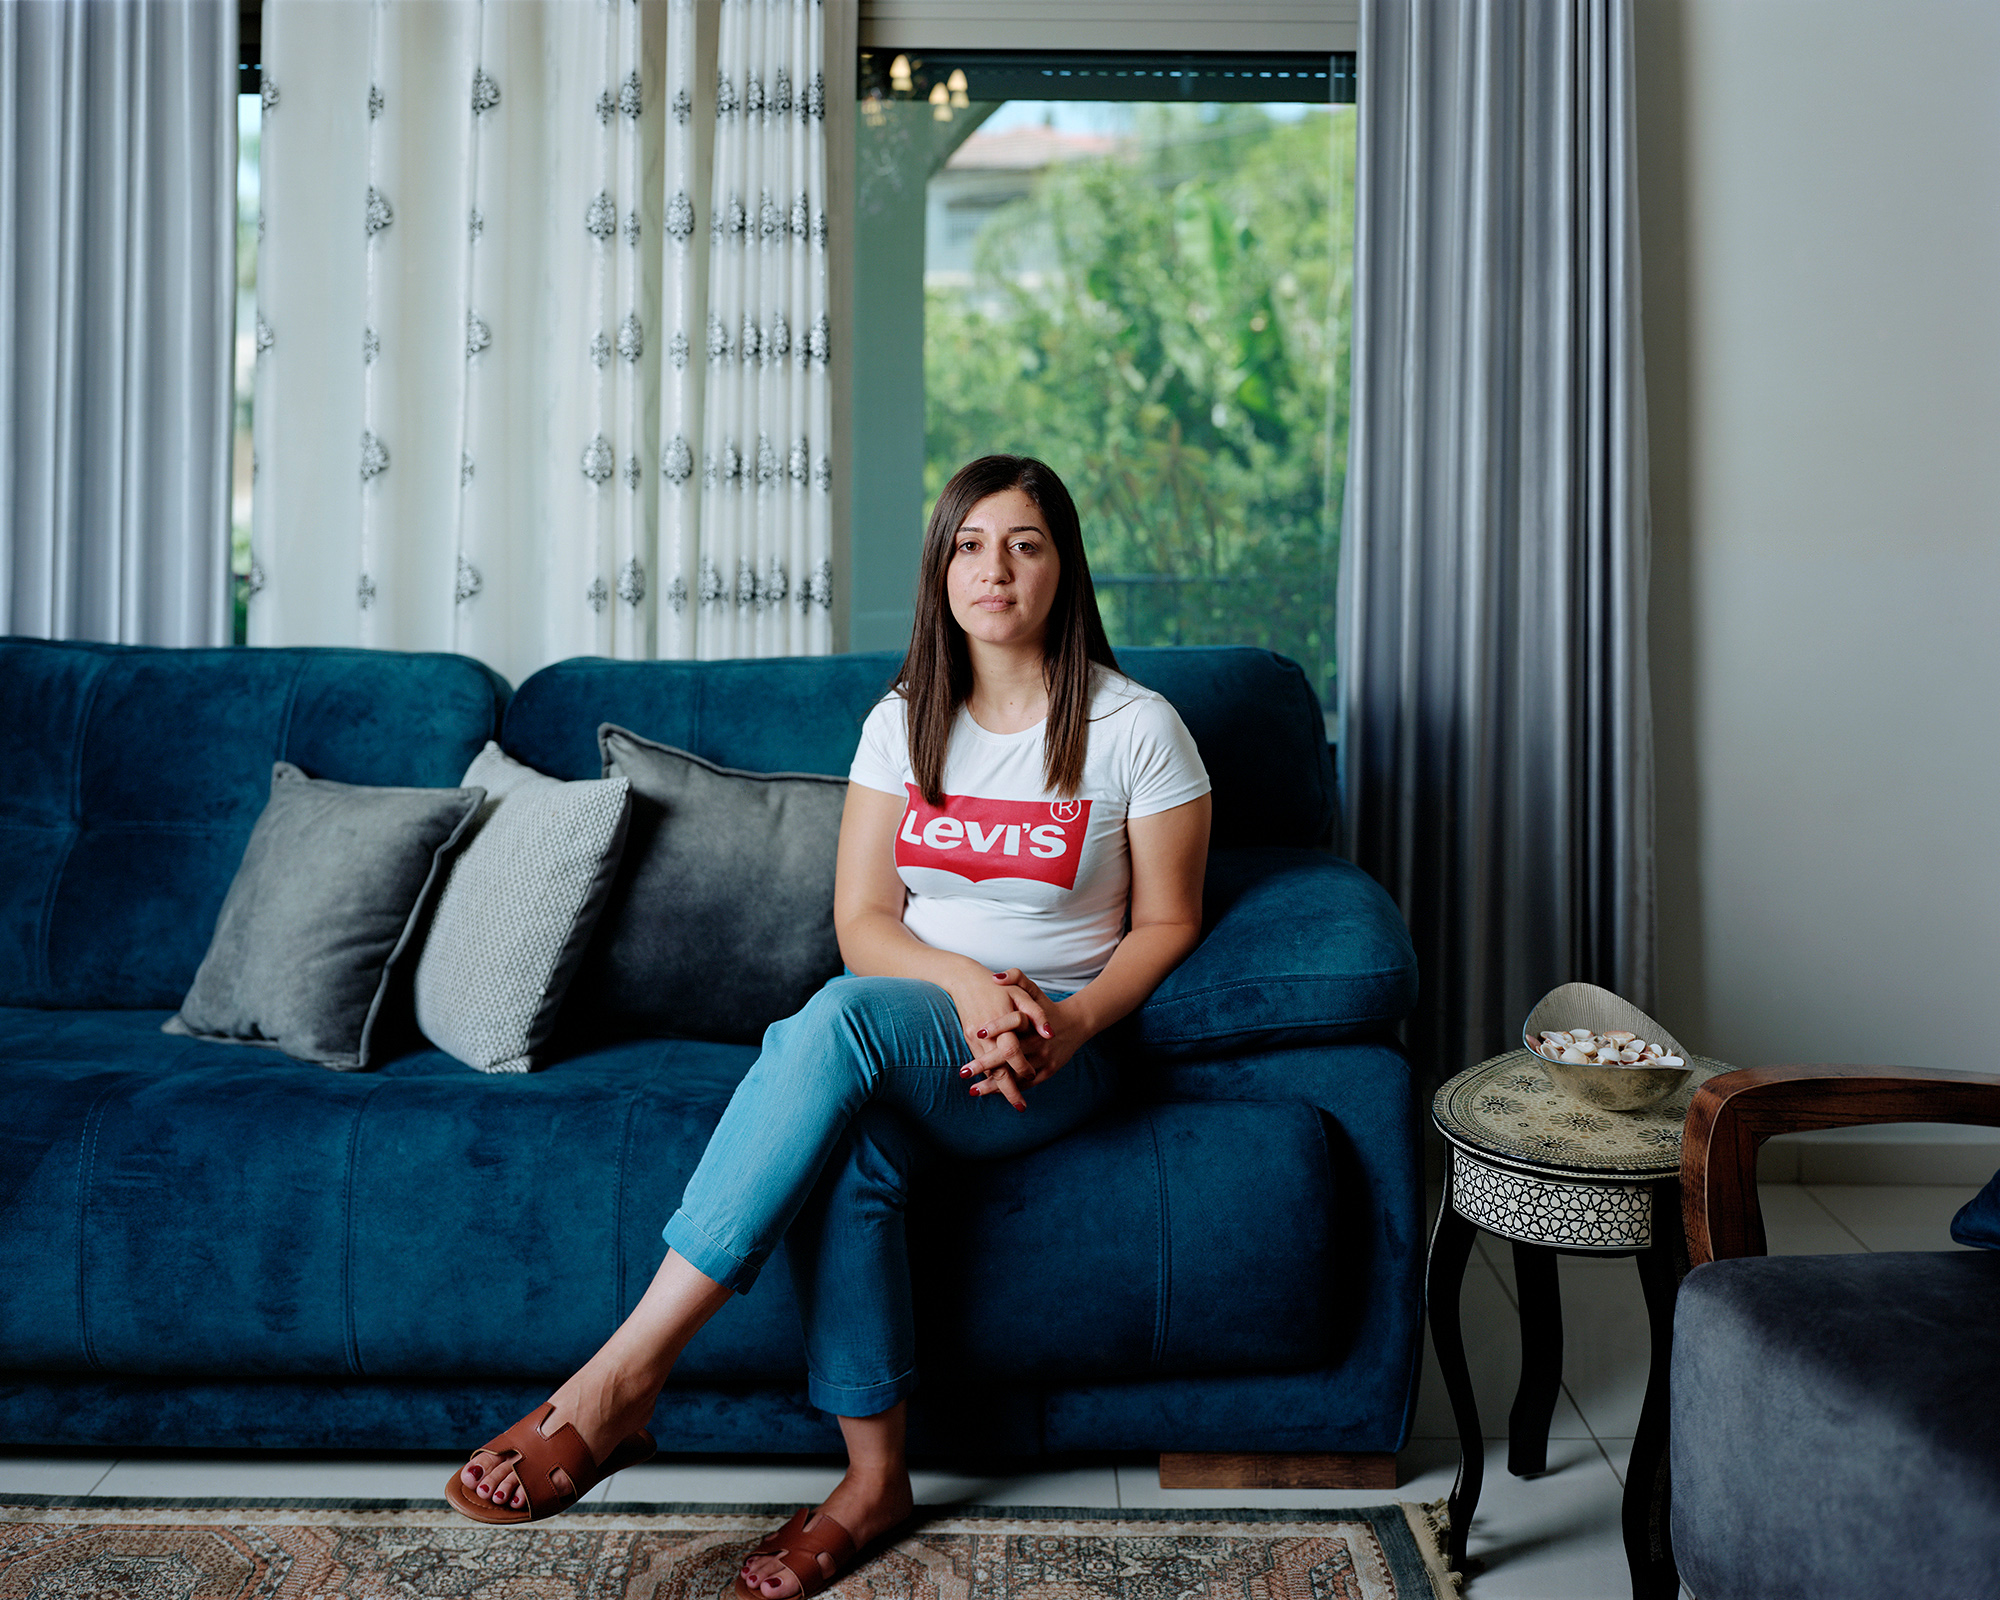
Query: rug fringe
1430	1526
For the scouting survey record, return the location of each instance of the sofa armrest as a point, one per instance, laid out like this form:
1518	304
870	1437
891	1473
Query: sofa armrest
1301	947
1733	1113
1370	1104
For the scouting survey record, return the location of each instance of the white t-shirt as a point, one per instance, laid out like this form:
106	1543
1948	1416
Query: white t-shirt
1006	872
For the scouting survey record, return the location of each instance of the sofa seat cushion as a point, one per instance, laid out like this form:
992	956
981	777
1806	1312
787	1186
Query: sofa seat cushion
1834	1426
1301	947
171	1206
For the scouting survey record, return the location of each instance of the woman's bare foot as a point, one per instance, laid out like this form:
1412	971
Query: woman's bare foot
602	1405
867	1504
610	1399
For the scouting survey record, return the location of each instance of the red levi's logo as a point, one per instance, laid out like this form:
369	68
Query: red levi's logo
980	839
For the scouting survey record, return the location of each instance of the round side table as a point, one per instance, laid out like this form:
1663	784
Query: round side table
1555	1176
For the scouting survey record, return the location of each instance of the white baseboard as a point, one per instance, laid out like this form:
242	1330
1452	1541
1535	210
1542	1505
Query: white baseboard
1913	1152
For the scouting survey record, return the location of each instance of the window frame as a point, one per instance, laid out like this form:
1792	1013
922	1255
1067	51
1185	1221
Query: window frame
1315	27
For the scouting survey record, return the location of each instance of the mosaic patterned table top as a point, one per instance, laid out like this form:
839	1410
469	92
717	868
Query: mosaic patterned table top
1509	1109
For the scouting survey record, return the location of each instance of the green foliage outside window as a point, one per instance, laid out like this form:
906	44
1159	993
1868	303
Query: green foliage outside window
1168	327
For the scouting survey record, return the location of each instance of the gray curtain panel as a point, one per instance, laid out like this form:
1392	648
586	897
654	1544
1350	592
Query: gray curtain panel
117	313
1496	742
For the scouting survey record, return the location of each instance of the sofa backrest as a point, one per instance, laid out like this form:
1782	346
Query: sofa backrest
1252	713
130	779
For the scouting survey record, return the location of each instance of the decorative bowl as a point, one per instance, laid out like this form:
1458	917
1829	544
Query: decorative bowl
1609	1088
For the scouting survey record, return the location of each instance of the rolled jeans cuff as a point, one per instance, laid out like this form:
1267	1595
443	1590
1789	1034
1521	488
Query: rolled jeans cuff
686	1239
867	1401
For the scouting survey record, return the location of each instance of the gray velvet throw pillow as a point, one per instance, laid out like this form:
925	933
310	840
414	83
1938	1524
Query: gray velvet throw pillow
330	891
722	918
517	911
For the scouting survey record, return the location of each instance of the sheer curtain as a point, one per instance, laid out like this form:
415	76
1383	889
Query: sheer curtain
543	340
759	546
1496	742
117	281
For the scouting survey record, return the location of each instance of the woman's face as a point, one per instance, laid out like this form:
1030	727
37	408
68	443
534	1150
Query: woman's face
1001	583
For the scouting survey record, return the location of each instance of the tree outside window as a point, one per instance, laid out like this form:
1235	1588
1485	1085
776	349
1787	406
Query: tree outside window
1155	298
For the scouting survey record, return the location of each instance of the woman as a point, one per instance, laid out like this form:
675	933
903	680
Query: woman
1021	861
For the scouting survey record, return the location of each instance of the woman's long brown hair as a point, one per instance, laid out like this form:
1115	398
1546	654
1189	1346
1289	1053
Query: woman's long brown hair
936	675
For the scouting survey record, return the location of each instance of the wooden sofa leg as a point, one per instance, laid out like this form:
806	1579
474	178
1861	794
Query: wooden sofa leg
1183	1469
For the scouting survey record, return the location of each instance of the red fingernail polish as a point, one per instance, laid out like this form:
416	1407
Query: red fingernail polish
982	1033
974	1090
1001	976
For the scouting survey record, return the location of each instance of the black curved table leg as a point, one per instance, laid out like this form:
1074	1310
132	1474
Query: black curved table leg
1648	1478
1451	1245
1541	1359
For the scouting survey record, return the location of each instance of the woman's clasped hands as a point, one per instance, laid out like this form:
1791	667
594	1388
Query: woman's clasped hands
1030	1038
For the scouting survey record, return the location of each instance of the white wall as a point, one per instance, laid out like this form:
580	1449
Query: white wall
1820	201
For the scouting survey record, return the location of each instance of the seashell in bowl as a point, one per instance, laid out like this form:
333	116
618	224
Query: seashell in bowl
1582	1036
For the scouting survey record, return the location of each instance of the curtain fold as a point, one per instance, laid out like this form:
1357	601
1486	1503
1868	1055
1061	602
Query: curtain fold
1496	740
542	330
117	282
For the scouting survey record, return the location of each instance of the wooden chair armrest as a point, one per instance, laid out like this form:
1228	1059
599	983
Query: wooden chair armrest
1733	1113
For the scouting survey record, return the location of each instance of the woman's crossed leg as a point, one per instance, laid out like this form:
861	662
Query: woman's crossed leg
887	1051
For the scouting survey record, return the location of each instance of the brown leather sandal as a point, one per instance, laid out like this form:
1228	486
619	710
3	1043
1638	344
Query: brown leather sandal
535	1456
802	1547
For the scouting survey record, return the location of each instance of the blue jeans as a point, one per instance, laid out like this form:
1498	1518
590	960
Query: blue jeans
849	1099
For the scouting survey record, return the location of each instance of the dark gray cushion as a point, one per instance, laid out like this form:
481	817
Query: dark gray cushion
330	890
1834	1427
721	920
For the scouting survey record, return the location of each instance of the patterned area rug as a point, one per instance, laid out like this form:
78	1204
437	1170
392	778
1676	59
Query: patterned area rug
110	1549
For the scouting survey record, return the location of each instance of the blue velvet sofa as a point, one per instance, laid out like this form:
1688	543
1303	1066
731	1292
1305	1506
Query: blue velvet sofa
208	1244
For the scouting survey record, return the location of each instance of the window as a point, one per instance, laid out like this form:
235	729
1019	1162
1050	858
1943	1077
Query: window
1138	268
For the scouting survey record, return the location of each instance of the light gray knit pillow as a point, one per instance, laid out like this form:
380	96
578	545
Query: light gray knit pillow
517	911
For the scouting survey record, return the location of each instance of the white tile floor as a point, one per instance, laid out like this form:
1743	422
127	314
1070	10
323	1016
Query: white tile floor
1551	1538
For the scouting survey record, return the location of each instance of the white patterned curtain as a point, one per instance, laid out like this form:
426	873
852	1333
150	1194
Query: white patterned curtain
543	329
